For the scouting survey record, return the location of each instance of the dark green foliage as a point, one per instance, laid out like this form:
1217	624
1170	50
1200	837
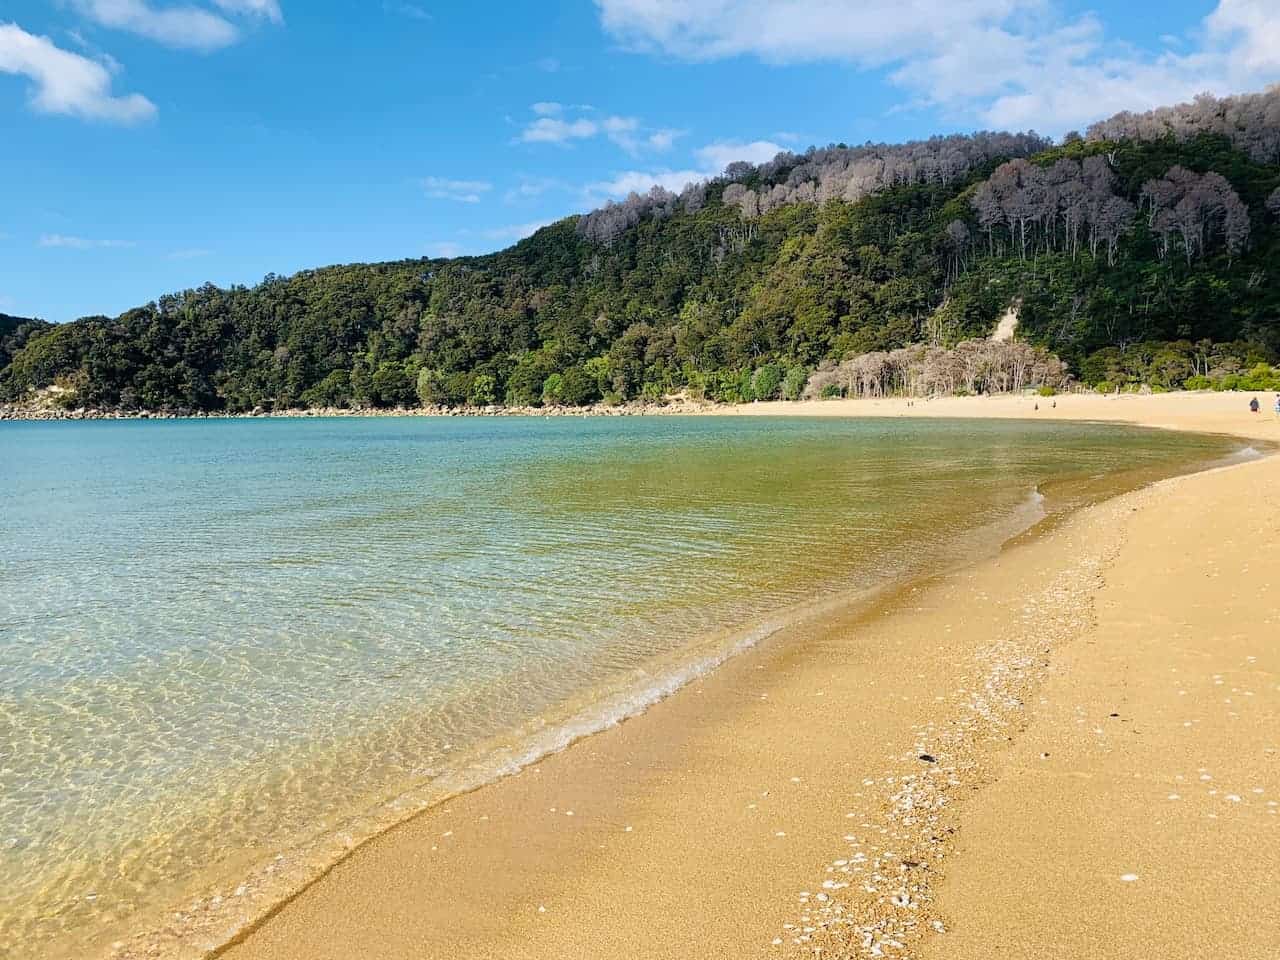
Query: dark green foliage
14	334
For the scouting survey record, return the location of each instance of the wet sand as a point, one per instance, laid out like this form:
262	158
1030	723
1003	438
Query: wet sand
937	776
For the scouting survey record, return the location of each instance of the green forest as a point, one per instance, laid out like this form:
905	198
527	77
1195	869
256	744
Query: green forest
1145	252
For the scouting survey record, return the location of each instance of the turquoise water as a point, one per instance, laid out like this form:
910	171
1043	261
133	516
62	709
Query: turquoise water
222	639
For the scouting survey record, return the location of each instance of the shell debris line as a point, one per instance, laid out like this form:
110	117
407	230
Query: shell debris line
877	898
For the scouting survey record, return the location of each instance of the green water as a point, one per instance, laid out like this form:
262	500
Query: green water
221	639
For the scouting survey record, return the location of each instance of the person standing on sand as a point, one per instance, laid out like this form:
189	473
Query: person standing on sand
1277	405
1253	405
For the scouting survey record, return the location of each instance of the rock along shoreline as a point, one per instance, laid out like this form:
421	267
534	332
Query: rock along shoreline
41	412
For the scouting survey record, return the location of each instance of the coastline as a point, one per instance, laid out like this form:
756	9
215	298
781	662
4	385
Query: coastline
697	825
1203	411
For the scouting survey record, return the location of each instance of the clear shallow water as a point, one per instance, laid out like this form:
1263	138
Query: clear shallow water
220	638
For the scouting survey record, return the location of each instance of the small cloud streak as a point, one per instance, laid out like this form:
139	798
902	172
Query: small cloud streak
64	242
266	9
532	187
462	191
554	130
410	10
554	123
664	139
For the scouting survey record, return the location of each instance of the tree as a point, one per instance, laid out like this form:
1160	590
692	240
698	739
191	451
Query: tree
793	383
391	385
553	390
578	387
430	388
1196	208
483	392
1251	122
766	382
525	384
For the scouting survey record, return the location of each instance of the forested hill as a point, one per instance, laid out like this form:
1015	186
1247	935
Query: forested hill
1146	251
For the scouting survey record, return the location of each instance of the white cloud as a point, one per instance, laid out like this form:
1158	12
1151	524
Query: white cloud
530	187
186	26
622	131
555	130
1005	62
1251	30
464	191
796	30
59	240
663	139
557	123
66	82
189	28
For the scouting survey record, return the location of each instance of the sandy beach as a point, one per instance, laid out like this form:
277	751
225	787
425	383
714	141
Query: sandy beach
1067	750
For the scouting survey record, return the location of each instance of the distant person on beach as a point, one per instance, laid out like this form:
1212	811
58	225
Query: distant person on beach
1278	404
1253	405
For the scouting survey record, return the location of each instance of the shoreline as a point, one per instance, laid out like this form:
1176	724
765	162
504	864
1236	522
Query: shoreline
695	720
27	413
1064	406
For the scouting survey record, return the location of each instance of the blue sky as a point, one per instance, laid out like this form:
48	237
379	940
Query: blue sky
152	145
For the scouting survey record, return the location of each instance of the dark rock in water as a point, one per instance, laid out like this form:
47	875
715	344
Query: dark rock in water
927	758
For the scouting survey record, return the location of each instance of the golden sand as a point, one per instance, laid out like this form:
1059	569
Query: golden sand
1071	750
